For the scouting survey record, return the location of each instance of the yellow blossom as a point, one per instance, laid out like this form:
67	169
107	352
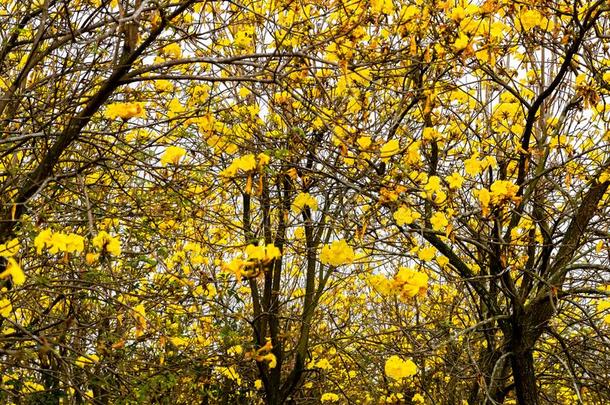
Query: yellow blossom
473	165
263	159
105	242
14	271
418	399
410	282
230	373
83	361
484	198
529	19
455	181
461	42
397	368
10	248
502	190
337	253
426	253
364	142
405	216
125	111
303	200
6	308
439	221
244	163
172	155
389	149
329	397
263	253
172	51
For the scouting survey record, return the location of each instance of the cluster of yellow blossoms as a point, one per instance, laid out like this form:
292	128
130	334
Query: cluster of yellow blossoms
337	253
256	255
397	368
246	163
303	200
59	242
125	111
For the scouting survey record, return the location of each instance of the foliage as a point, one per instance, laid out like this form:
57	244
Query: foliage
349	201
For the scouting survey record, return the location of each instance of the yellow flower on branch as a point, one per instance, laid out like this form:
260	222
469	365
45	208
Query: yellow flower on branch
87	360
389	149
6	308
10	248
104	242
125	111
14	271
439	221
405	216
303	200
410	282
172	155
397	368
337	253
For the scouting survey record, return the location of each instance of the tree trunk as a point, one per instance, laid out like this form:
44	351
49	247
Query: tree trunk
524	375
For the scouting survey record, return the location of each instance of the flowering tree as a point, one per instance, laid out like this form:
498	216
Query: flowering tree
303	201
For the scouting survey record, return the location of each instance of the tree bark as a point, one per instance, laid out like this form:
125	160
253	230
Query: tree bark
525	377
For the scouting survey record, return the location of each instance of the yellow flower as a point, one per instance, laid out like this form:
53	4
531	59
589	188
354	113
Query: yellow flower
125	111
258	384
397	368
139	315
76	243
431	134
389	149
364	142
324	364
263	159
179	342
405	216
14	271
10	248
433	185
244	163
163	86
484	198
172	155
337	253
5	307
426	253
410	282
175	108
303	200
329	397
235	350
461	42
473	165
270	358
455	181
439	221
530	19
230	373
105	242
83	361
503	190
43	239
31	386
263	253
418	399
91	258
172	51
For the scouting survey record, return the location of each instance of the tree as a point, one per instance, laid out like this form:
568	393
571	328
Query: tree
301	201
